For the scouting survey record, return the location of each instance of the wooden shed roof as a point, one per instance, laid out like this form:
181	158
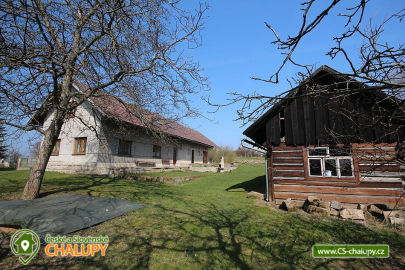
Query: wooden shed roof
309	117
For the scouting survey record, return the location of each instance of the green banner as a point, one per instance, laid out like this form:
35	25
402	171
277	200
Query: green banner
350	251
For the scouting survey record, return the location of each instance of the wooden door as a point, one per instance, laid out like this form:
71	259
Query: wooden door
174	156
205	157
192	156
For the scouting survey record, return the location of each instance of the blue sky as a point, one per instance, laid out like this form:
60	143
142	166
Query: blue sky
236	45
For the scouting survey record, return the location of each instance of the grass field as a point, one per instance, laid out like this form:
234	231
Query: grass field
207	223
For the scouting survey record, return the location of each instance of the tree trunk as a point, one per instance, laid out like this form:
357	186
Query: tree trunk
33	185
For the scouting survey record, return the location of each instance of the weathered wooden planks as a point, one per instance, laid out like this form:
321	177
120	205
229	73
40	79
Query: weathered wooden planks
400	201
377	176
354	190
390	184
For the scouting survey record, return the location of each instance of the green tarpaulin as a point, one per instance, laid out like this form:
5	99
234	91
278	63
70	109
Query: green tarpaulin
62	214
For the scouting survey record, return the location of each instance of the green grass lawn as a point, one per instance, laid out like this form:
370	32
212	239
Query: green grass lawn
250	158
207	223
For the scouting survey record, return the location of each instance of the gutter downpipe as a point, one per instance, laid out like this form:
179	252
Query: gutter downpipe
267	177
259	149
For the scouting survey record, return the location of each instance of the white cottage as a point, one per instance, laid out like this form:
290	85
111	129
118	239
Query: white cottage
93	140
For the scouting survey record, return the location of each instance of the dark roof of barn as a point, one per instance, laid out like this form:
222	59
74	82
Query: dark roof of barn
257	130
118	109
322	76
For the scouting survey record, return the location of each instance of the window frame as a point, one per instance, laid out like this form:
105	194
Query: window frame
155	146
325	157
82	151
322	167
315	148
123	143
56	147
336	164
351	165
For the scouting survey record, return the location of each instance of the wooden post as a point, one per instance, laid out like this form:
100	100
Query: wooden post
355	163
305	162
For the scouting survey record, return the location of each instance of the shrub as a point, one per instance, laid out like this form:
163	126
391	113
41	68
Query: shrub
214	155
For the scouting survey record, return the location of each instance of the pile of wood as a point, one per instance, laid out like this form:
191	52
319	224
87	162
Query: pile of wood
364	212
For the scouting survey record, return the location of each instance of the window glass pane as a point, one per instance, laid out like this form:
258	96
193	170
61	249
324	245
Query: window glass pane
315	167
330	167
156	150
339	151
56	148
317	151
345	167
124	148
78	145
84	145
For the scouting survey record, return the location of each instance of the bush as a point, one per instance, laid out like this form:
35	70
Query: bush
215	155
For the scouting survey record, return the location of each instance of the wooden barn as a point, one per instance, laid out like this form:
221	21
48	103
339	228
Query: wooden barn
334	138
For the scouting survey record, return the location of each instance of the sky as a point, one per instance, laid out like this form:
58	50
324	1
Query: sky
236	45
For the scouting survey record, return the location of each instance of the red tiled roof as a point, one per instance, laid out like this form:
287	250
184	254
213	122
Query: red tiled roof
115	107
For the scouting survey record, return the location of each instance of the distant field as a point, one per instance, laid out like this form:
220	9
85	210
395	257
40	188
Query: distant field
206	223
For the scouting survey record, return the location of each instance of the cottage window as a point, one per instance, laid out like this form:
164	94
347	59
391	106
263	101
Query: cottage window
322	163
56	148
80	146
157	150
124	148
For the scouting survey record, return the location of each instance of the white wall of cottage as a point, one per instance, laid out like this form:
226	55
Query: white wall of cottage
102	150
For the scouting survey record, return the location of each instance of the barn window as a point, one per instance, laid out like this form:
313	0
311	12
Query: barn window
157	150
124	148
325	162
315	167
330	167
318	152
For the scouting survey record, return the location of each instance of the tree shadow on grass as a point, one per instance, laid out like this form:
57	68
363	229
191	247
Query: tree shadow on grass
7	169
219	236
92	185
222	237
257	184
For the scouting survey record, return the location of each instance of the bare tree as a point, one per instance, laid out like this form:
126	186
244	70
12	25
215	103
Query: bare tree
13	156
381	67
34	149
3	146
133	49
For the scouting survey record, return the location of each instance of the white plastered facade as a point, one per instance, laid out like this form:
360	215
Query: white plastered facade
102	156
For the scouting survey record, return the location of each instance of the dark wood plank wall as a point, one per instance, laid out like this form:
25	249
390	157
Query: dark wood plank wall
313	120
377	163
289	177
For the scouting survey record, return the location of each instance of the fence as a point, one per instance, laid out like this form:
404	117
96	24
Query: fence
25	163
